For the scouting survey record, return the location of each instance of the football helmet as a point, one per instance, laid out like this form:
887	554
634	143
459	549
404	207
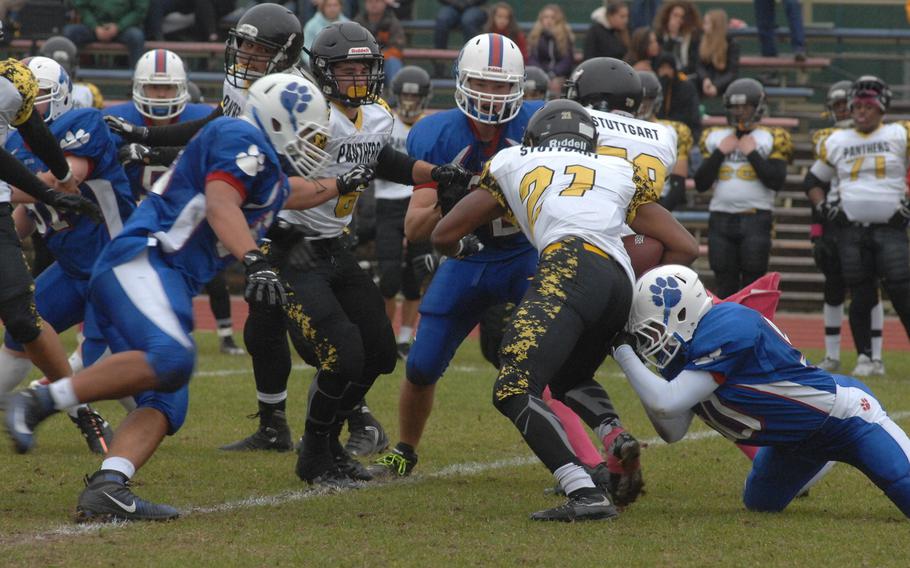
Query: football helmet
348	41
490	57
294	115
54	86
537	84
837	102
561	124
871	88
667	304
412	80
748	92
268	38
605	84
651	95
160	67
63	51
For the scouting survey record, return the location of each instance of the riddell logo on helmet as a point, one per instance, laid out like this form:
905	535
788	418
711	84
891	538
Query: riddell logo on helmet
494	69
359	51
248	30
567	143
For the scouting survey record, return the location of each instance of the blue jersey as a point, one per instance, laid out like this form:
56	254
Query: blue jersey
142	177
173	217
450	137
767	393
75	240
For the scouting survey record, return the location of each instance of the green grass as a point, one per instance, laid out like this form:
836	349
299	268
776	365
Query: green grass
690	516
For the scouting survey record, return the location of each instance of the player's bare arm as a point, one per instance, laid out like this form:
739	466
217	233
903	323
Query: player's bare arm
222	209
680	247
476	209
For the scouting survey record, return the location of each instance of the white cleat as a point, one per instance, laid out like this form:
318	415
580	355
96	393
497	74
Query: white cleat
864	366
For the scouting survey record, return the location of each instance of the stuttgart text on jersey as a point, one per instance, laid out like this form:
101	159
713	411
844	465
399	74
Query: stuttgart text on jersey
633	129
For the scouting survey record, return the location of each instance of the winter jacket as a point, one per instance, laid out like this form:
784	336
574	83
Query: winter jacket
315	25
721	79
124	13
601	40
387	31
545	56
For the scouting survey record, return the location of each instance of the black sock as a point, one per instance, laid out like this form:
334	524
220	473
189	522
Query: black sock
267	410
406	449
587	492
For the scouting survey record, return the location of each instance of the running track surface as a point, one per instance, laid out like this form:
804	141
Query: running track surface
804	330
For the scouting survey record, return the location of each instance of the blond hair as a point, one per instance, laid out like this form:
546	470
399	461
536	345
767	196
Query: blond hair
562	33
713	48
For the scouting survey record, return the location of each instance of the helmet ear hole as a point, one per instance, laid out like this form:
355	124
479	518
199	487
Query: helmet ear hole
276	126
681	316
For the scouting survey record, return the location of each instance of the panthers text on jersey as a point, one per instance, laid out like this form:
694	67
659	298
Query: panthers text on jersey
173	216
738	188
76	241
870	169
450	137
142	177
351	142
556	193
388	189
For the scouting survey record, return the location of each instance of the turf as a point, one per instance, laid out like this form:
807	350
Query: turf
466	504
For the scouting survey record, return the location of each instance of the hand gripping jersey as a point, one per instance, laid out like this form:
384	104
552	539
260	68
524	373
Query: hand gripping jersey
870	169
173	216
555	193
142	177
738	188
391	190
351	142
18	90
450	137
649	145
75	240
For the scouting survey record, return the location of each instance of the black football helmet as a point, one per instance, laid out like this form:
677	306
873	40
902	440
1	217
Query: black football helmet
606	84
537	84
747	92
836	101
412	80
561	124
268	26
870	87
651	94
347	41
63	51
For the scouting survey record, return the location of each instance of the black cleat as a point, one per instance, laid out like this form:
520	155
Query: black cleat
316	465
24	411
581	508
273	434
393	464
624	466
403	349
95	429
107	497
367	436
229	347
346	463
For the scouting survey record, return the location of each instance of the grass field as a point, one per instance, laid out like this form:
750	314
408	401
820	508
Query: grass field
466	504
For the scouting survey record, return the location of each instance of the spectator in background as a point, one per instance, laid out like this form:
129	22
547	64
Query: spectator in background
108	21
329	13
551	45
206	12
382	22
764	21
718	56
642	13
643	48
453	13
608	36
502	21
680	100
677	25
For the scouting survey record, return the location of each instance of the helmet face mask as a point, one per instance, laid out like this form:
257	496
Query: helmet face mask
652	92
267	39
489	79
745	104
837	102
54	87
605	84
160	85
537	84
412	89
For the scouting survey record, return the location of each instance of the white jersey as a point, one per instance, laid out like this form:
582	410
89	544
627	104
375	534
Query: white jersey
738	188
388	189
818	139
870	170
233	99
82	96
555	193
351	142
18	90
649	145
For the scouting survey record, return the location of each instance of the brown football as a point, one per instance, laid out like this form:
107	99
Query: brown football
644	252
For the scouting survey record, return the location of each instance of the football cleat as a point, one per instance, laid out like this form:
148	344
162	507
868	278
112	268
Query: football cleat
229	347
24	411
393	464
581	508
316	465
829	364
95	429
107	497
625	469
346	463
864	366
403	349
367	436
273	434
878	368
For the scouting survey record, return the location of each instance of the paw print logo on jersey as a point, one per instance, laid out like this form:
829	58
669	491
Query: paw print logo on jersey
296	98
666	294
252	161
72	140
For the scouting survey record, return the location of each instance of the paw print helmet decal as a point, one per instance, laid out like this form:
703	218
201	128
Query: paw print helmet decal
667	304
294	115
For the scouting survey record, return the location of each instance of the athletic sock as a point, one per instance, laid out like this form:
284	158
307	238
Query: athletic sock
877	323
834	318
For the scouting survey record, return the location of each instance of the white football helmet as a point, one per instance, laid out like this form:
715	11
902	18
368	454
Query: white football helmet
56	84
667	304
294	115
490	57
160	67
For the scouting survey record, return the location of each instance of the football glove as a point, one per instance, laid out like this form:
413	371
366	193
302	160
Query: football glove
73	203
130	153
262	283
126	130
425	265
357	178
468	245
902	215
829	211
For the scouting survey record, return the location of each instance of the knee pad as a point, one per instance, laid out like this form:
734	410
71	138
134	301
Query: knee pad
389	278
20	317
824	251
424	367
382	358
510	383
339	349
263	328
173	367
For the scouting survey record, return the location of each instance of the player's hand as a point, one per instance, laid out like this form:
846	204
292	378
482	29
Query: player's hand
425	265
747	144
134	152
623	338
468	245
74	203
357	179
727	145
902	215
451	174
126	130
829	211
262	283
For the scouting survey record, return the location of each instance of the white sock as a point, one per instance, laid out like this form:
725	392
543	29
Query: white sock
225	329
834	318
572	477
63	394
76	360
122	465
271	398
878	322
404	334
13	370
128	403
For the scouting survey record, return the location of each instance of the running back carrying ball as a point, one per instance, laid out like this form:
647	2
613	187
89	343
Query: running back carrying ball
644	252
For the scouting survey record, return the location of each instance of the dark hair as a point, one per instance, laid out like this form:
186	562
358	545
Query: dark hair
638	46
614	7
512	31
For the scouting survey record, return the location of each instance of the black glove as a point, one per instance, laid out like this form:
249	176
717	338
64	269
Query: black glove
902	215
126	130
73	203
829	211
357	178
425	265
623	338
468	245
130	153
451	174
262	283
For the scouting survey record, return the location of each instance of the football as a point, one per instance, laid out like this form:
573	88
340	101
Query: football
644	252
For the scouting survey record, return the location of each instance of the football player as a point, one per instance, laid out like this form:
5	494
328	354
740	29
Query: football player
824	249
740	375
572	203
62	50
537	84
746	164
221	194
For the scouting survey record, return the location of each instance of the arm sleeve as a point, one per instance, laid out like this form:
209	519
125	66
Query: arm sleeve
164	155
179	134
811	181
14	172
395	166
675	192
671	429
706	174
39	138
771	172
